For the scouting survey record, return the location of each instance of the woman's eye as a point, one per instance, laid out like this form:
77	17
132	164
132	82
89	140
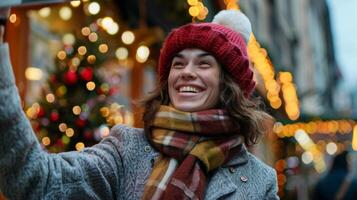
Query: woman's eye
177	64
205	64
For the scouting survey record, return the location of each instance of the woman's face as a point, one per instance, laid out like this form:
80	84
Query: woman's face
193	81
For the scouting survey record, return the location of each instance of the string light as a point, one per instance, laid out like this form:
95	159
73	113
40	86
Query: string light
192	2
79	146
128	37
32	111
104	111
323	127
113	29
307	157
44	12
76	110
90	86
33	73
82	50
258	56
75	3
104	131
231	4
61	55
197	9
203	13
109	25
85	31
69	132
69	39
91	59
142	54
93	37
65	13
113	114
122	53
50	98
289	95
62	127
94	8
331	148
46	141
103	48
194	11
13	18
106	22
310	147
75	62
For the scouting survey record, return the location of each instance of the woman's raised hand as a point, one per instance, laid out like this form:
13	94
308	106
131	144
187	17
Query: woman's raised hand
4	14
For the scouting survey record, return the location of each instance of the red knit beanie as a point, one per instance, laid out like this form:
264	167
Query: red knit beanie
225	44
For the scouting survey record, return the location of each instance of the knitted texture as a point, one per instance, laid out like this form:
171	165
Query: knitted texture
225	44
193	145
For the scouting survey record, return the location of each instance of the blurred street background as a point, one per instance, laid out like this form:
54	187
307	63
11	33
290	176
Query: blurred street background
80	65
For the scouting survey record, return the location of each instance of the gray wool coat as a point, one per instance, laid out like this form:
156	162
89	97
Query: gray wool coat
116	168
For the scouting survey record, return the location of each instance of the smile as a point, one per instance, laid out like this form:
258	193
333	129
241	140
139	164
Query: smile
190	89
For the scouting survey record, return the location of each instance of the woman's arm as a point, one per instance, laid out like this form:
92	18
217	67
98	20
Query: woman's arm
272	192
27	172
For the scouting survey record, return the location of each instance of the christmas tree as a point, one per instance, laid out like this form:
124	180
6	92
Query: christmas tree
73	111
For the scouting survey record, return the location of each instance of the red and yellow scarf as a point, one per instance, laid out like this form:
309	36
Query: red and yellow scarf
191	145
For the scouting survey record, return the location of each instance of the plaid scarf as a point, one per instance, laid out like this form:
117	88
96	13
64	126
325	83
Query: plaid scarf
191	145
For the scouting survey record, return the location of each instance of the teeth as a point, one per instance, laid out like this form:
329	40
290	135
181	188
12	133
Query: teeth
188	89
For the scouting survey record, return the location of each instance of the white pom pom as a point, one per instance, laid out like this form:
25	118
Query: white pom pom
235	20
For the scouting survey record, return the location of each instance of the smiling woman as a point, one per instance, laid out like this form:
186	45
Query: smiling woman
202	115
197	124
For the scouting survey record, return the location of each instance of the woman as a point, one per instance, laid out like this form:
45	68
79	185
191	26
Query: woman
197	123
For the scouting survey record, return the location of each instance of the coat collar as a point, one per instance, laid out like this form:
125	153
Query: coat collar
240	158
221	183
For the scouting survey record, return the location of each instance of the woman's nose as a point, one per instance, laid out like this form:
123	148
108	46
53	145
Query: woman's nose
188	72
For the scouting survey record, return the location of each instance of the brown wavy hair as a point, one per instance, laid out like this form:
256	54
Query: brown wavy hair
246	112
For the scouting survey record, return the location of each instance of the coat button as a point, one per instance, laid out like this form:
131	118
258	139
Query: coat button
244	179
147	148
232	170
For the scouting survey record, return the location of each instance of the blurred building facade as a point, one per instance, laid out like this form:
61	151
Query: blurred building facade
298	38
297	35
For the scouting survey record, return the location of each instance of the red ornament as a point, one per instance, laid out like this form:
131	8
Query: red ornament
41	112
36	126
70	78
53	79
100	91
87	74
113	90
88	135
54	116
80	122
59	143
